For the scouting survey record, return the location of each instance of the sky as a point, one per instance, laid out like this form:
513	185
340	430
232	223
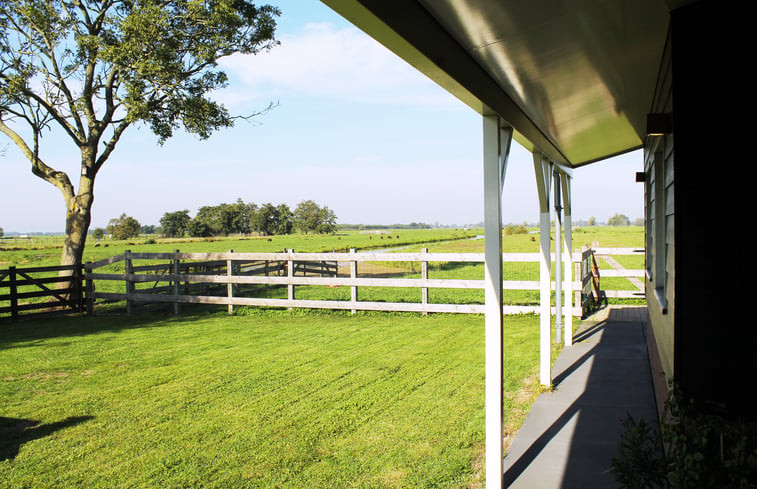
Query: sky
354	128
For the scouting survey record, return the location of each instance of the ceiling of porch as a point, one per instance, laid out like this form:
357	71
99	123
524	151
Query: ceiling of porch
575	78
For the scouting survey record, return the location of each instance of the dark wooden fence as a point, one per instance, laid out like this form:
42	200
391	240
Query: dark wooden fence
39	291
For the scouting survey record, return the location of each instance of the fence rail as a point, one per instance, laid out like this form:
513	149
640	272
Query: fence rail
290	269
233	279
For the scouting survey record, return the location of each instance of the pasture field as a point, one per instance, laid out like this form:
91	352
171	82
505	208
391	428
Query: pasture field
262	399
38	253
606	237
47	250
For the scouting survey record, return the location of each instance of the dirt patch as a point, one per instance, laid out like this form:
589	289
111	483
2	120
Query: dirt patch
523	399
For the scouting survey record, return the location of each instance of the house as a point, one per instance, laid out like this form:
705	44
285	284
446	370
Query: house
577	82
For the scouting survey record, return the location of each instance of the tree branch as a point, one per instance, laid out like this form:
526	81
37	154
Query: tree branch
58	178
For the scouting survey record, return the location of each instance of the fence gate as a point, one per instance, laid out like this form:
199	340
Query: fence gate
37	291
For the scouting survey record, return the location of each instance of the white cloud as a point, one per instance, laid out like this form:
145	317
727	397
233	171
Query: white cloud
342	63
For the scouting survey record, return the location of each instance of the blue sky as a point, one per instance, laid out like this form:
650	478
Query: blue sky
355	129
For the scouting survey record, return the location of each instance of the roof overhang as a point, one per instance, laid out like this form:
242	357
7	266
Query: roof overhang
575	79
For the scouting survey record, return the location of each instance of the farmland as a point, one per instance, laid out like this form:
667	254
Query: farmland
46	250
264	398
40	251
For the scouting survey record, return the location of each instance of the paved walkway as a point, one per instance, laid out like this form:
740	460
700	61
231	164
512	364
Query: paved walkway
571	433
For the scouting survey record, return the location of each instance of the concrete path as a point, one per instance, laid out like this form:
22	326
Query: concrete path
571	433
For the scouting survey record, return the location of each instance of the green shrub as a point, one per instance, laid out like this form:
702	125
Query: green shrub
516	229
701	450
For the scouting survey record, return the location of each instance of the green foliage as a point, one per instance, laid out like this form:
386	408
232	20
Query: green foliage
619	220
701	449
362	227
639	463
175	224
222	219
150	61
199	229
124	227
592	221
90	70
270	220
1	232
516	229
98	233
309	217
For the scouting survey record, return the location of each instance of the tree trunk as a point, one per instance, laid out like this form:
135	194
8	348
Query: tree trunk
78	218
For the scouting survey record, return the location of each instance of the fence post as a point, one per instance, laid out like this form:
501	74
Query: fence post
78	281
577	292
229	285
353	275
176	283
424	276
129	284
290	274
14	293
89	295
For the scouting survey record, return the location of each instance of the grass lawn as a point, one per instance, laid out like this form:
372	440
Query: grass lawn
260	399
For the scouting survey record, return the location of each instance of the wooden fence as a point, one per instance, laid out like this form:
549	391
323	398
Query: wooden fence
39	291
232	279
220	278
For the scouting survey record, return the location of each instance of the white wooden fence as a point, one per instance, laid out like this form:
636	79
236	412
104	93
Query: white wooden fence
182	271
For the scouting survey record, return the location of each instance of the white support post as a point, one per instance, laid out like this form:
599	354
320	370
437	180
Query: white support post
496	146
542	168
568	259
558	257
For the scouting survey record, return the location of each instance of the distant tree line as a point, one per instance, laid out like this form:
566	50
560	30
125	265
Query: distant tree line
615	220
361	227
226	219
245	218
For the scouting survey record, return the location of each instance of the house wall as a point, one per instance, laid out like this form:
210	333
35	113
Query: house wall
705	339
659	225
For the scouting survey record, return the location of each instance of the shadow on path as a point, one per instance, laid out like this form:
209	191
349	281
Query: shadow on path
572	432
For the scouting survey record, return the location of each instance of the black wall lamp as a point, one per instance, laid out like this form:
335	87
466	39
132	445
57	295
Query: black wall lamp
659	124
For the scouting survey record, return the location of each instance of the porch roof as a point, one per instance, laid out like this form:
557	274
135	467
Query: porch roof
575	78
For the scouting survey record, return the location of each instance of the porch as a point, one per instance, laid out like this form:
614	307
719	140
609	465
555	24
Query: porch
573	431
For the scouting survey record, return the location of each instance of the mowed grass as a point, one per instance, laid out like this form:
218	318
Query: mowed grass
262	399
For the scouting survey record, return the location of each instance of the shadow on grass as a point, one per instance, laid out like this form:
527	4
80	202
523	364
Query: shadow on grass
15	432
25	332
